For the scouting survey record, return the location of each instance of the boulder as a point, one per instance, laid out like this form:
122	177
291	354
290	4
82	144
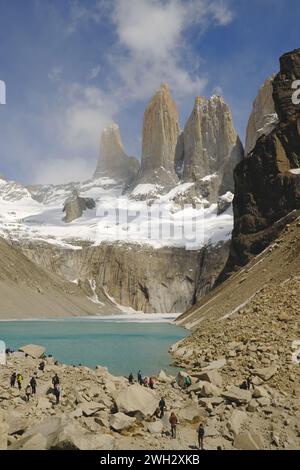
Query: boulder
72	436
189	413
209	390
44	403
212	376
137	399
3	430
35	442
33	350
249	440
17	423
259	392
237	395
252	406
90	408
120	421
237	419
266	373
155	428
215	365
164	378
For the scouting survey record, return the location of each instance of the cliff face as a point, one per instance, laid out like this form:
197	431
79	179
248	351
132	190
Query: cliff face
263	117
165	280
210	143
267	182
113	161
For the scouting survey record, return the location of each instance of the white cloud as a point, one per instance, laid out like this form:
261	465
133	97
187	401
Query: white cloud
152	32
88	112
61	171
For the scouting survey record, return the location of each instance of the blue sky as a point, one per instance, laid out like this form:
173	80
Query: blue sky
71	67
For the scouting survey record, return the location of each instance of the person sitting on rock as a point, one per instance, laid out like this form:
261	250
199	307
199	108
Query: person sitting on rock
173	422
162	407
151	383
130	378
33	385
42	366
146	382
56	393
28	392
187	381
13	379
201	434
55	380
19	381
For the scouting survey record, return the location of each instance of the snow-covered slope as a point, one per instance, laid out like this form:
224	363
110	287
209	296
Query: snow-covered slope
35	214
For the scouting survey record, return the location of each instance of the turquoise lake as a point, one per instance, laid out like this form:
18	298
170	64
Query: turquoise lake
122	347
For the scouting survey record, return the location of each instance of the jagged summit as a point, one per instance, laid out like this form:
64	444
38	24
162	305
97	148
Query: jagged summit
263	117
113	161
209	144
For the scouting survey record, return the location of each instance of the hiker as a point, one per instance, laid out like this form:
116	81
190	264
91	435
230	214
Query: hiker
130	378
33	385
151	383
19	381
173	421
42	366
146	382
140	378
244	385
28	392
56	393
55	380
162	407
187	381
249	383
201	434
13	379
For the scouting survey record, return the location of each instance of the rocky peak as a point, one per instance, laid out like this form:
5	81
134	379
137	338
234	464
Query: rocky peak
263	117
113	161
210	142
160	131
159	142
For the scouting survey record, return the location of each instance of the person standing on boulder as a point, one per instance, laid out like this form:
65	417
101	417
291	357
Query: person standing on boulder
13	379
55	380
56	393
19	381
162	407
201	434
33	385
140	378
173	421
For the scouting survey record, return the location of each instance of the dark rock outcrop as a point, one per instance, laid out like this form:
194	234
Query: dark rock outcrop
267	182
76	205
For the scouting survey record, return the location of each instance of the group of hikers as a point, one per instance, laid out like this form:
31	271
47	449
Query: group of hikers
160	412
31	388
145	381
